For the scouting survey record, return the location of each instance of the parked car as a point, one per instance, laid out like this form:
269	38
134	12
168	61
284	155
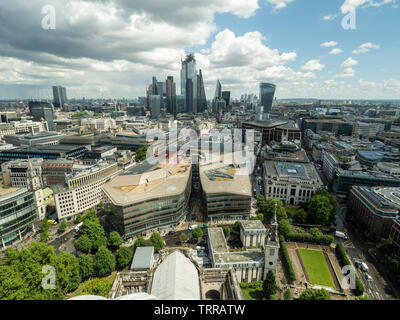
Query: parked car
364	266
368	277
340	235
171	233
193	227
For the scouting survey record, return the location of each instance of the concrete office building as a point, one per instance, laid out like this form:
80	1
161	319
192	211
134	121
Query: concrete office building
43	138
149	197
82	190
390	168
291	182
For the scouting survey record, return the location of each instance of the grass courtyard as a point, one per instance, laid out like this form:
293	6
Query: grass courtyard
317	269
252	291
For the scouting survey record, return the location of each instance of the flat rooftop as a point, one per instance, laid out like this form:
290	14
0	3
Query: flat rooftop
252	225
217	239
143	258
303	171
7	190
240	257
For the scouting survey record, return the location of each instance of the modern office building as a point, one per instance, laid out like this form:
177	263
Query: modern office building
226	95
390	168
267	92
43	138
149	197
15	173
25	126
59	96
375	208
42	111
189	85
336	126
18	211
201	93
226	190
291	182
155	106
346	179
55	171
180	104
366	130
171	93
218	90
44	152
274	130
82	189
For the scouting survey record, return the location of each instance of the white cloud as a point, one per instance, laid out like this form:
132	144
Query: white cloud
329	17
313	65
336	51
365	4
350	62
279	4
329	44
347	73
365	48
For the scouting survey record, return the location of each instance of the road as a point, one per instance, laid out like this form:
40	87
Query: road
358	250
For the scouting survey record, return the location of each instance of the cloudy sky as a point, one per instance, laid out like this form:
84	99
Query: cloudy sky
112	48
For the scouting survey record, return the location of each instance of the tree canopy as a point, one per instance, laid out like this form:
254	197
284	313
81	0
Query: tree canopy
197	233
105	261
114	239
124	257
311	294
269	285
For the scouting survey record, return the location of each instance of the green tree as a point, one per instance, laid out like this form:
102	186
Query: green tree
315	232
236	226
183	237
320	210
300	216
114	239
359	290
386	248
83	244
311	294
288	295
269	285
100	242
100	205
284	227
227	231
44	236
92	229
157	241
268	209
141	242
86	266
197	233
363	297
124	257
67	271
63	226
105	261
45	225
141	153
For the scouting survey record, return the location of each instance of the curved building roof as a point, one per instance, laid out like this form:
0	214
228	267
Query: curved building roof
176	279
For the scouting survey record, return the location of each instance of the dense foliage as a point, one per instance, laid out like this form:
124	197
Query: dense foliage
141	153
21	273
269	285
312	294
83	244
86	266
197	233
267	208
227	231
105	261
123	257
286	260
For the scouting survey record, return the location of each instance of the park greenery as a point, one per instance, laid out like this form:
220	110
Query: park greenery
95	286
286	260
345	261
63	226
390	257
141	153
21	271
79	115
236	226
197	233
312	294
183	237
155	241
227	231
269	285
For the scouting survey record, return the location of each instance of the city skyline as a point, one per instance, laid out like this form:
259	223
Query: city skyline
241	44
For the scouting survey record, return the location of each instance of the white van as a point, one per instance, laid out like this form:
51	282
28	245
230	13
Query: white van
193	227
340	235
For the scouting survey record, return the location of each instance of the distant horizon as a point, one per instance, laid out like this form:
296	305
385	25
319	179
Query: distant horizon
303	47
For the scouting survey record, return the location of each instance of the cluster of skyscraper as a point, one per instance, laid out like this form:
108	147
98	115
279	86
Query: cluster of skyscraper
221	102
162	95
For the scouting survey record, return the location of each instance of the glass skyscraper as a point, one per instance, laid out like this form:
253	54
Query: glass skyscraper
189	83
267	92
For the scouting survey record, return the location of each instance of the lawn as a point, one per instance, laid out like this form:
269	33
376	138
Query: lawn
252	291
317	269
95	286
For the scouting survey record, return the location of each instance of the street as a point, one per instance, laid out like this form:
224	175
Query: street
358	250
